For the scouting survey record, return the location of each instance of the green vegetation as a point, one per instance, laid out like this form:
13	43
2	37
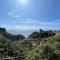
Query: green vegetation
43	45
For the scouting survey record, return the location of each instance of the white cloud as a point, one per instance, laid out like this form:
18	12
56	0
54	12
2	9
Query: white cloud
17	16
31	21
29	24
28	21
10	13
13	13
22	27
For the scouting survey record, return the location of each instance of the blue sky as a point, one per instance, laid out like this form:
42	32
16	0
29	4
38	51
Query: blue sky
30	14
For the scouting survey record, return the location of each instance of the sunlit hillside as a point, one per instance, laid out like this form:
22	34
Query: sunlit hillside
43	45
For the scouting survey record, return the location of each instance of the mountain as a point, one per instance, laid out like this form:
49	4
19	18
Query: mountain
42	34
26	33
10	36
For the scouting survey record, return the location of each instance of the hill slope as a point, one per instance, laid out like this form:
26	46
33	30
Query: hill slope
10	36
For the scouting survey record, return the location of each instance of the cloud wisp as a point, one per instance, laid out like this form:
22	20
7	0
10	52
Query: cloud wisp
30	25
13	13
10	13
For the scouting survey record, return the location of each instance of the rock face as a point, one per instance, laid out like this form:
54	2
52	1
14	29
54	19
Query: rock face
17	37
42	34
2	30
10	36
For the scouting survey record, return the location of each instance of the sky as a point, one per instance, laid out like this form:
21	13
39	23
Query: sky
19	16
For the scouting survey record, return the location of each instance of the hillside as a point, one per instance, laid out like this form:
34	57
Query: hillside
42	34
42	48
10	36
